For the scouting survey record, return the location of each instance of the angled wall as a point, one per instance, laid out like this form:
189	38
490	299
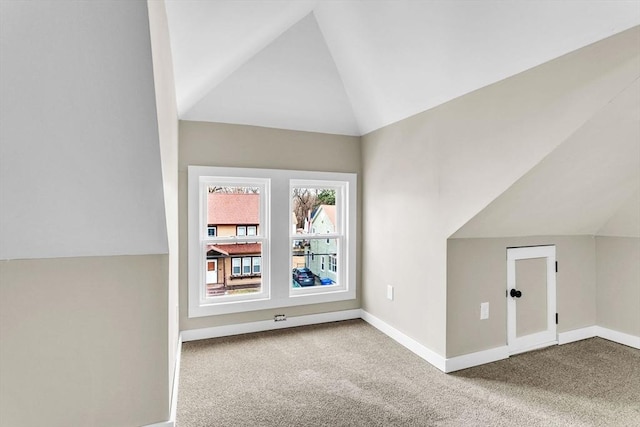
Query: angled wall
426	176
168	134
83	232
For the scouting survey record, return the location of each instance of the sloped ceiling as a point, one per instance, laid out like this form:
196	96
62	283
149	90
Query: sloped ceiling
587	184
351	67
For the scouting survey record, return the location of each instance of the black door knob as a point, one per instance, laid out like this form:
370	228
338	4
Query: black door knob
515	293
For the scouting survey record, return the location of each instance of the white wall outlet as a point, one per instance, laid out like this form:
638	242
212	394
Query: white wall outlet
390	292
484	310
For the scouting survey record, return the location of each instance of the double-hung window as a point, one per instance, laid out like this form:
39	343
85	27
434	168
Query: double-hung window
282	238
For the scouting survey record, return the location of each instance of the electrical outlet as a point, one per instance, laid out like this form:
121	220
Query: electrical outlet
390	292
279	317
484	310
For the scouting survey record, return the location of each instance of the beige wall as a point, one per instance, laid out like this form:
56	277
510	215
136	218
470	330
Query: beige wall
477	273
426	176
84	341
216	144
618	279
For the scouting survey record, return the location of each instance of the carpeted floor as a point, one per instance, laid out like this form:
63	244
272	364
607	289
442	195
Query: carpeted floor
350	374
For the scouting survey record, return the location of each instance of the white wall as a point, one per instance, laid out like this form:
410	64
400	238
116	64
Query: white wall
79	155
168	134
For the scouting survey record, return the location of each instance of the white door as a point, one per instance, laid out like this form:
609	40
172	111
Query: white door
531	298
212	271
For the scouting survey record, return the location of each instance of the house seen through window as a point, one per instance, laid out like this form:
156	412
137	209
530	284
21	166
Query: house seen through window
233	263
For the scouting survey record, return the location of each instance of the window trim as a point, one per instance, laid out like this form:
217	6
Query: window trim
277	244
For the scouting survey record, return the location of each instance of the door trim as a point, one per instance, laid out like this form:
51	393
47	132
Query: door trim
540	339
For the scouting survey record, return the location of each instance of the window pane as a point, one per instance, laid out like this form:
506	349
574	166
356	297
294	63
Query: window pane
311	263
246	265
231	209
233	269
314	210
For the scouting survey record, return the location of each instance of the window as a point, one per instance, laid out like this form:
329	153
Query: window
323	205
235	262
246	266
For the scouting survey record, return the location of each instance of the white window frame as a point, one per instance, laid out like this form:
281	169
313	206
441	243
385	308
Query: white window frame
275	234
344	234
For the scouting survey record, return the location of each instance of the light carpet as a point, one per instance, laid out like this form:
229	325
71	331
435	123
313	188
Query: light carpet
350	374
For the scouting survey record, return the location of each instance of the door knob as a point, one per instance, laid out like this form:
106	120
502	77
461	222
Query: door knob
515	293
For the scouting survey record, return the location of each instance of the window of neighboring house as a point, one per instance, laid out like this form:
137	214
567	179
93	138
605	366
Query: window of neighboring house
246	266
252	271
236	264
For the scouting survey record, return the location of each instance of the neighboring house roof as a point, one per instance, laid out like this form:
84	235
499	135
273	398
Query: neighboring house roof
236	248
233	208
329	210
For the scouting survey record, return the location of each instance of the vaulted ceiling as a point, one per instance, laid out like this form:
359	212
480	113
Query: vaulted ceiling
351	67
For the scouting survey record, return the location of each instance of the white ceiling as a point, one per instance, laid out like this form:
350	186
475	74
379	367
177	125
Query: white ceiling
350	67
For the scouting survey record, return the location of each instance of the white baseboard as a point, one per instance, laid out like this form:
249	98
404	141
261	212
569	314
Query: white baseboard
429	355
268	325
475	359
599	331
577	335
619	337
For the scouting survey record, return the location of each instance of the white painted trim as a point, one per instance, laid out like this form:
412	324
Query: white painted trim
171	422
619	337
267	325
547	337
276	231
577	335
476	359
429	355
531	347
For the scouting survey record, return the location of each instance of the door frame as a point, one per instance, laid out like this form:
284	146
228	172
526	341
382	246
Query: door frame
544	338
